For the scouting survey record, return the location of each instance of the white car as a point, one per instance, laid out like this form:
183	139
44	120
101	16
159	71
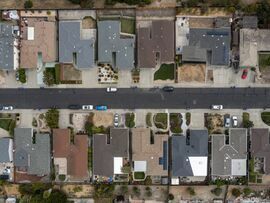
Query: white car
116	120
227	122
217	107
87	107
234	121
7	108
111	89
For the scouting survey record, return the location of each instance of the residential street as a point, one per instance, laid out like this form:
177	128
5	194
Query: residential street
135	98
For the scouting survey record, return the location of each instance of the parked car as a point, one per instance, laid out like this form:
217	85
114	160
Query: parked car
234	121
101	108
244	74
227	122
116	120
111	89
7	108
168	88
87	107
217	107
74	106
17	76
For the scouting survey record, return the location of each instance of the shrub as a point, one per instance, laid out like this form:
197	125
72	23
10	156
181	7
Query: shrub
22	75
246	122
217	191
236	192
129	122
28	4
62	177
188	118
170	196
247	191
191	191
52	118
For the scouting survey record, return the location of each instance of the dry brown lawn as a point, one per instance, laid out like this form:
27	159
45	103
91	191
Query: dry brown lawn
12	190
103	119
191	73
201	22
78	191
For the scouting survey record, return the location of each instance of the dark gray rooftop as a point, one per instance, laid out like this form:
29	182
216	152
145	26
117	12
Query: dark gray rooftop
155	43
183	148
70	43
114	48
103	153
6	46
250	22
228	159
5	149
260	146
215	42
221	22
34	158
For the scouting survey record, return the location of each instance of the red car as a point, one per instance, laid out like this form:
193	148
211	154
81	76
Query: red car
244	74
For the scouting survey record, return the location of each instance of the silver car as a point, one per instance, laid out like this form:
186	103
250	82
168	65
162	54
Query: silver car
116	120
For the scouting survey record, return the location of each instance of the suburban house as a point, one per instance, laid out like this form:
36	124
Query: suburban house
155	44
70	157
260	149
6	158
189	156
114	47
229	154
32	152
208	45
76	45
38	46
252	43
9	52
111	155
149	153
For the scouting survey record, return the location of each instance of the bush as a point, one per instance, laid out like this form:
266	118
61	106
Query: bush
22	75
217	191
28	4
236	192
52	118
129	120
136	191
246	122
188	118
62	177
176	122
170	196
191	191
148	119
103	190
247	191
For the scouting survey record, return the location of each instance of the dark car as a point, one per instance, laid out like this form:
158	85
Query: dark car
168	88
74	106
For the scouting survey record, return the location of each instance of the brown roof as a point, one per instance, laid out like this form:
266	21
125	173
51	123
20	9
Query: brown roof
156	39
44	42
143	150
260	146
76	154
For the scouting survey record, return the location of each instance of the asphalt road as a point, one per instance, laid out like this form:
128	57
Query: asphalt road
193	98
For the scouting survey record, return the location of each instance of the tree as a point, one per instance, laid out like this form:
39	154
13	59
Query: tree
52	118
28	4
136	191
48	77
103	190
217	191
263	13
170	196
247	191
236	192
191	191
248	124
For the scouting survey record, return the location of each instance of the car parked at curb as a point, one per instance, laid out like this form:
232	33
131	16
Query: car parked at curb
234	121
101	108
74	106
111	89
168	88
87	107
217	107
7	108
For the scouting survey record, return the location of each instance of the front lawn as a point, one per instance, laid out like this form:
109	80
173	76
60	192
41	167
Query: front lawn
139	175
129	120
51	76
176	122
266	117
264	61
8	125
22	75
161	120
149	119
165	72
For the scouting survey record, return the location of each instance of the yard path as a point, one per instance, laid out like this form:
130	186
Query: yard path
184	123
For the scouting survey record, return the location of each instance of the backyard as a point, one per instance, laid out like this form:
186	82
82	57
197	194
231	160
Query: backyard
127	23
165	72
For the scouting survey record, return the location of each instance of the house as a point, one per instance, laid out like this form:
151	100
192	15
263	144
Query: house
114	47
110	154
229	154
149	152
74	46
252	42
6	158
208	45
9	53
70	158
155	44
189	155
260	149
38	43
32	152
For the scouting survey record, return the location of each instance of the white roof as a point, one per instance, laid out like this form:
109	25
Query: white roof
198	165
117	165
140	166
30	33
175	181
239	167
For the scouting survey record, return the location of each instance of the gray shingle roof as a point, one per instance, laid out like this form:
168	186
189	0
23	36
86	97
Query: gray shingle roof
5	149
215	42
182	149
104	153
70	42
6	47
34	158
250	22
114	48
228	157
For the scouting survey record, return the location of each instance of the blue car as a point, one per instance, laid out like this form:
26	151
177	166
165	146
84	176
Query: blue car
101	108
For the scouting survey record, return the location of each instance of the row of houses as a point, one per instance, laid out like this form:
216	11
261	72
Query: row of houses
43	38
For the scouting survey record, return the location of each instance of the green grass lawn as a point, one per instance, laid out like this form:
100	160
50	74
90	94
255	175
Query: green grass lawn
264	61
5	123
165	72
139	175
161	120
176	122
148	119
266	117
